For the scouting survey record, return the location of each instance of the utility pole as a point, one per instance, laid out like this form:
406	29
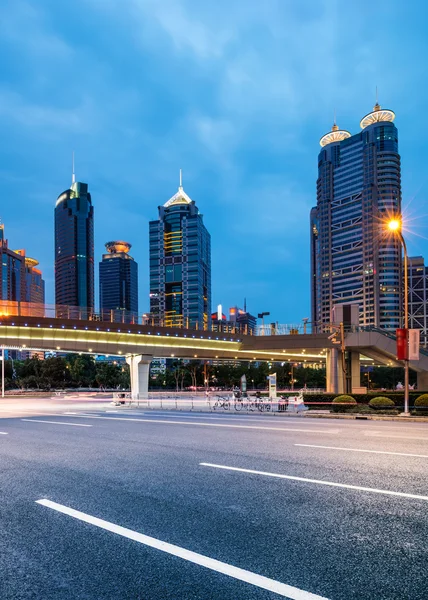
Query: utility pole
2	372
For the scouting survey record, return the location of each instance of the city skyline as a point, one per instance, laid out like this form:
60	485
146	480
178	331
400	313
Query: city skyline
246	137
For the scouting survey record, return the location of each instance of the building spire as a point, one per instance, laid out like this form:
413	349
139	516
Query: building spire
335	127
73	175
376	106
181	180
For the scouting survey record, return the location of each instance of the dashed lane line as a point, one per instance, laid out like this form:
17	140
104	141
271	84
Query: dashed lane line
282	589
56	422
197	423
317	481
362	450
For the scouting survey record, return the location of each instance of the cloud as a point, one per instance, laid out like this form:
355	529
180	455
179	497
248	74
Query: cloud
50	119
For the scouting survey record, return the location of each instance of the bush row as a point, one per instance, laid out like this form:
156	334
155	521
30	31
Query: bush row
378	404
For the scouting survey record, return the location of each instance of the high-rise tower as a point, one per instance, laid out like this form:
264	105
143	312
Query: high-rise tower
74	249
180	265
352	258
12	281
119	284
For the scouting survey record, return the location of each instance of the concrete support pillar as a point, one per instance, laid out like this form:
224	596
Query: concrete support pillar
332	371
355	370
422	381
139	367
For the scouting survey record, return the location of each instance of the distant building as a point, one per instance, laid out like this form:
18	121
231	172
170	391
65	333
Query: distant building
34	282
74	251
118	284
180	265
418	296
358	187
12	272
239	321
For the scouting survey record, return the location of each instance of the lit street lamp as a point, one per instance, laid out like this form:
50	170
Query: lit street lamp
396	226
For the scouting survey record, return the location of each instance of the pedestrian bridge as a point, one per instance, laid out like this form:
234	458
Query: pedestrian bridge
141	343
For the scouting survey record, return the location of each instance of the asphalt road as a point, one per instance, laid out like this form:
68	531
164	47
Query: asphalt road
175	506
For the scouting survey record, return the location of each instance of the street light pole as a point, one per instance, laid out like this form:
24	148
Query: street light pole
406	324
396	226
2	371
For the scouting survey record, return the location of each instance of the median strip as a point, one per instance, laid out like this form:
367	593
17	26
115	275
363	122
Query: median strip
282	589
316	481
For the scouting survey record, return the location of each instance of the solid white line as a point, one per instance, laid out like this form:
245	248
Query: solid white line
56	422
206	424
360	450
70	413
318	481
282	589
3	433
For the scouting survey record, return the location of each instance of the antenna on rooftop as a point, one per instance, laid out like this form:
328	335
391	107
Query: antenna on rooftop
73	175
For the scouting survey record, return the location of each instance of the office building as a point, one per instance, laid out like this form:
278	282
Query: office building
239	321
353	260
180	265
74	251
12	272
418	296
34	282
118	284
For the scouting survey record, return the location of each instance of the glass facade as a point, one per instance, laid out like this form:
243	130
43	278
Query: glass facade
353	260
118	284
180	265
12	272
74	248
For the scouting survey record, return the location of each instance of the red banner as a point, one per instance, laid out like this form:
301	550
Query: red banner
402	344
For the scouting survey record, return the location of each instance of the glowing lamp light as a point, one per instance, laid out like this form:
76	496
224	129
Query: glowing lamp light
394	225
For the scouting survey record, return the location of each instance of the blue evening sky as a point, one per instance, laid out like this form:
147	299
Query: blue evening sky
237	93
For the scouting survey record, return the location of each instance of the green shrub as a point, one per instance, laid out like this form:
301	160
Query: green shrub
343	403
421	404
382	402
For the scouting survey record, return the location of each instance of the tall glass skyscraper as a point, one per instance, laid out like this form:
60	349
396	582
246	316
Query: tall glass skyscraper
74	249
12	272
119	284
180	265
353	260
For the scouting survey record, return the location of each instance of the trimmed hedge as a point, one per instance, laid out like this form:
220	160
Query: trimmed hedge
343	403
421	404
382	402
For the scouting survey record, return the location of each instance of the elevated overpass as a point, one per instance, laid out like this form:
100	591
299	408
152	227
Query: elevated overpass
141	343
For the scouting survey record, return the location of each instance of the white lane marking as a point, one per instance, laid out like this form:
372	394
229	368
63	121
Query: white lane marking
3	433
55	422
317	481
206	424
70	413
397	437
282	589
361	450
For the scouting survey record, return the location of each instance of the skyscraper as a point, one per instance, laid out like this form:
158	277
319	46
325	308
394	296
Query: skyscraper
180	265
12	272
358	187
74	250
34	282
119	284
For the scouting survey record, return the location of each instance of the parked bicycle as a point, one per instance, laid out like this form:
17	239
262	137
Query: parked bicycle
221	402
